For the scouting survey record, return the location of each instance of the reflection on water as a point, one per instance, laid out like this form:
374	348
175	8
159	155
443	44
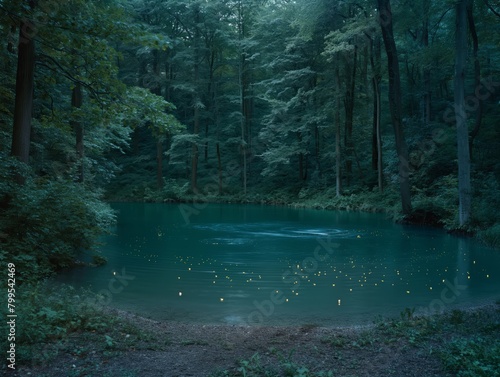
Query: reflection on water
271	265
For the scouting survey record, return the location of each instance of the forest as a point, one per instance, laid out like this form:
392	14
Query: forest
354	105
282	102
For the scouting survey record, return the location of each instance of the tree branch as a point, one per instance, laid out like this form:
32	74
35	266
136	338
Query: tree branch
68	75
491	8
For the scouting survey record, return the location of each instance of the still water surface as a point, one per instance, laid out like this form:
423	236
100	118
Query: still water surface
263	265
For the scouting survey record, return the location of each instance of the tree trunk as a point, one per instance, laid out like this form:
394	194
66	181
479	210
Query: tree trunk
380	172
242	125
219	168
395	102
376	136
317	150
194	151
477	74
156	88
20	147
211	58
243	102
427	72
374	125
301	166
76	102
196	104
464	184
159	163
349	112
338	177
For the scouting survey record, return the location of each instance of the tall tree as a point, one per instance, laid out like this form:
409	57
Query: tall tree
464	184
338	159
477	72
197	104
395	93
24	92
374	47
243	87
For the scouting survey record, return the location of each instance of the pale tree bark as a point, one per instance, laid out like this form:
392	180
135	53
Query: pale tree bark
337	136
219	168
243	84
196	104
384	7
477	73
464	184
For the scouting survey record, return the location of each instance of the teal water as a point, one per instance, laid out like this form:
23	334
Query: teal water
263	265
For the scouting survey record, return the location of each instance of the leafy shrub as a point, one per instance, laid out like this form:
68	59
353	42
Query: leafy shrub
439	201
45	223
491	235
486	200
51	314
473	358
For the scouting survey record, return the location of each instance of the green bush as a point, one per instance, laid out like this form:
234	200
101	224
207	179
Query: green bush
50	314
45	223
473	358
491	235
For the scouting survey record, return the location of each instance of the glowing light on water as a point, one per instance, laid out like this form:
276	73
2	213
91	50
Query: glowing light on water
253	265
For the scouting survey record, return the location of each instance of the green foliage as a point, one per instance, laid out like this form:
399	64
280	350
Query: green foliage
487	199
98	260
256	78
148	109
172	191
457	317
51	314
46	223
338	341
254	367
473	357
53	217
407	314
284	63
491	235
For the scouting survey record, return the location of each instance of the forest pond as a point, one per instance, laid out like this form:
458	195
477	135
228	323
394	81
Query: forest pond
265	265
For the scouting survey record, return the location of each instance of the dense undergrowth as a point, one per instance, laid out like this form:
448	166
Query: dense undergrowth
48	224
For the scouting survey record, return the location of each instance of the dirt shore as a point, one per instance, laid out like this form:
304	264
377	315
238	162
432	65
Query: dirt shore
148	348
